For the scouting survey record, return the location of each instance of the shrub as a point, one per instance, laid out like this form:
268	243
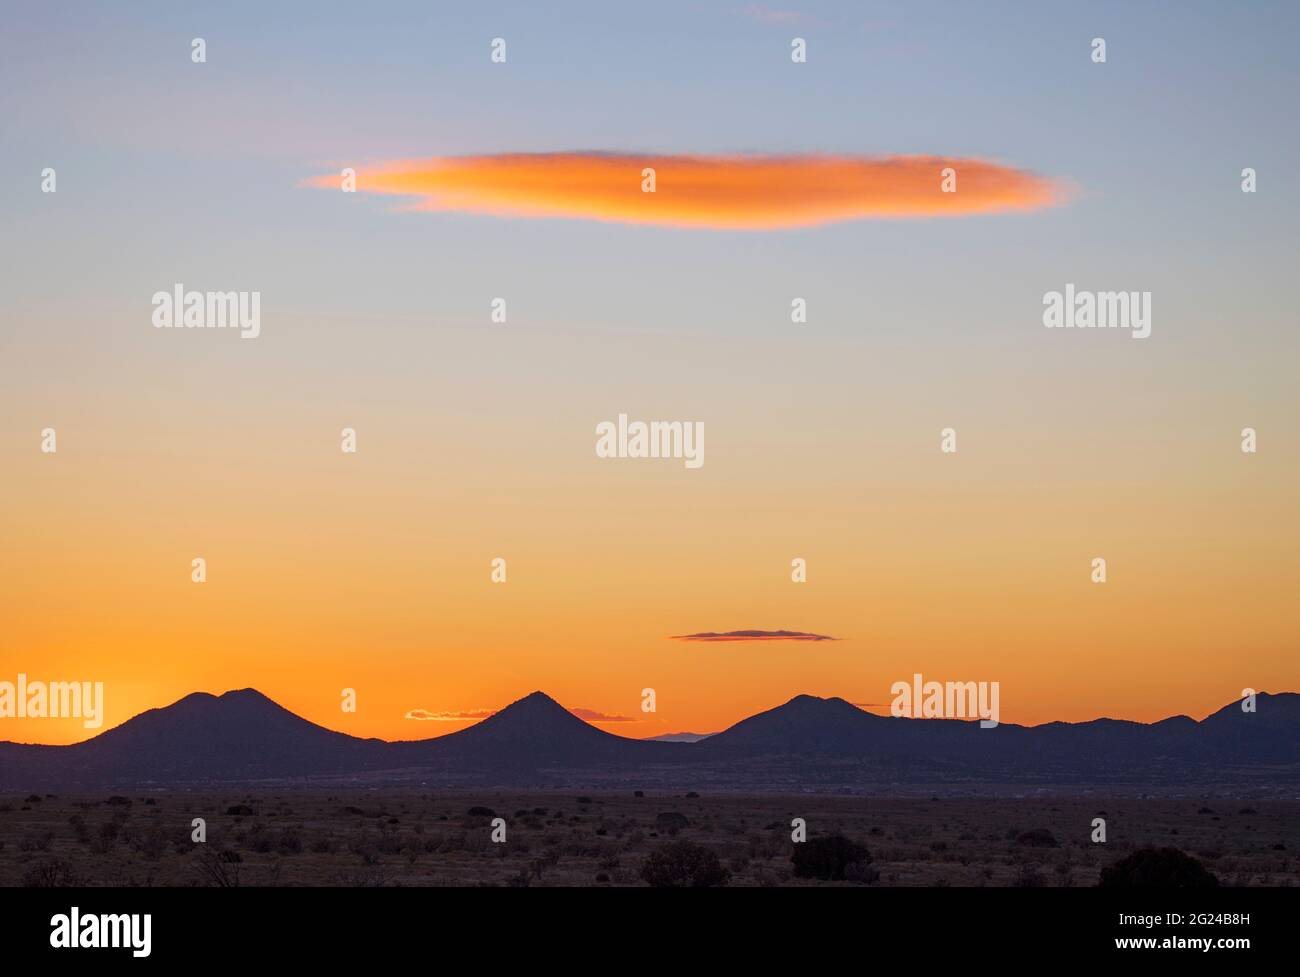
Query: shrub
828	858
684	864
150	842
481	812
861	872
1158	867
1037	838
36	841
79	828
671	822
103	842
239	811
259	840
1029	878
217	869
50	874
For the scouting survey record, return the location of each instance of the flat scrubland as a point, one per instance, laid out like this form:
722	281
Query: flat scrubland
565	838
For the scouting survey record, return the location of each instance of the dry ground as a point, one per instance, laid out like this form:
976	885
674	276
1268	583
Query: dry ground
363	837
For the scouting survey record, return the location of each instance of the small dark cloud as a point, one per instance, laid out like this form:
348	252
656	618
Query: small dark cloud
753	635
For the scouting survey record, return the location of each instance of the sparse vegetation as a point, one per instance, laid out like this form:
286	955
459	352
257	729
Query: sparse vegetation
417	839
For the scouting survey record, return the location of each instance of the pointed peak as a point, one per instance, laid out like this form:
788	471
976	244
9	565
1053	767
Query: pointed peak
532	701
537	696
535	717
534	707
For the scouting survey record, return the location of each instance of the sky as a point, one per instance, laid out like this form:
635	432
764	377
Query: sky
371	570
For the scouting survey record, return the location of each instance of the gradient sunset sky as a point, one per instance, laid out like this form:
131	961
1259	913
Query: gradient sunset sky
476	439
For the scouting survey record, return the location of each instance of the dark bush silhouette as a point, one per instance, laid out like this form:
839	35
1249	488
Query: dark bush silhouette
240	810
861	872
217	869
481	812
150	842
684	864
1029	878
671	822
1036	838
103	842
54	873
828	858
1158	867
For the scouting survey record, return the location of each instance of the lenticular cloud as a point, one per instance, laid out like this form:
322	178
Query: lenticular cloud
720	192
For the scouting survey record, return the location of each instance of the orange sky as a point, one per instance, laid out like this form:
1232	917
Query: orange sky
372	571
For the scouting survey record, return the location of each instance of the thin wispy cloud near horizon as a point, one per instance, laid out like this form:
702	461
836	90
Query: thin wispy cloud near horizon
716	192
468	715
474	715
595	716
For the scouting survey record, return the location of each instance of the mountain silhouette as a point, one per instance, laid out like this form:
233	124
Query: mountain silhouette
242	737
238	736
1100	751
533	732
683	737
805	725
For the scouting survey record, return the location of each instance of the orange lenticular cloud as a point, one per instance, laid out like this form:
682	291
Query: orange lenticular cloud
722	192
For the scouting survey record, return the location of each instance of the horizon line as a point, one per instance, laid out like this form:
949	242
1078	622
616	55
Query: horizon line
596	726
